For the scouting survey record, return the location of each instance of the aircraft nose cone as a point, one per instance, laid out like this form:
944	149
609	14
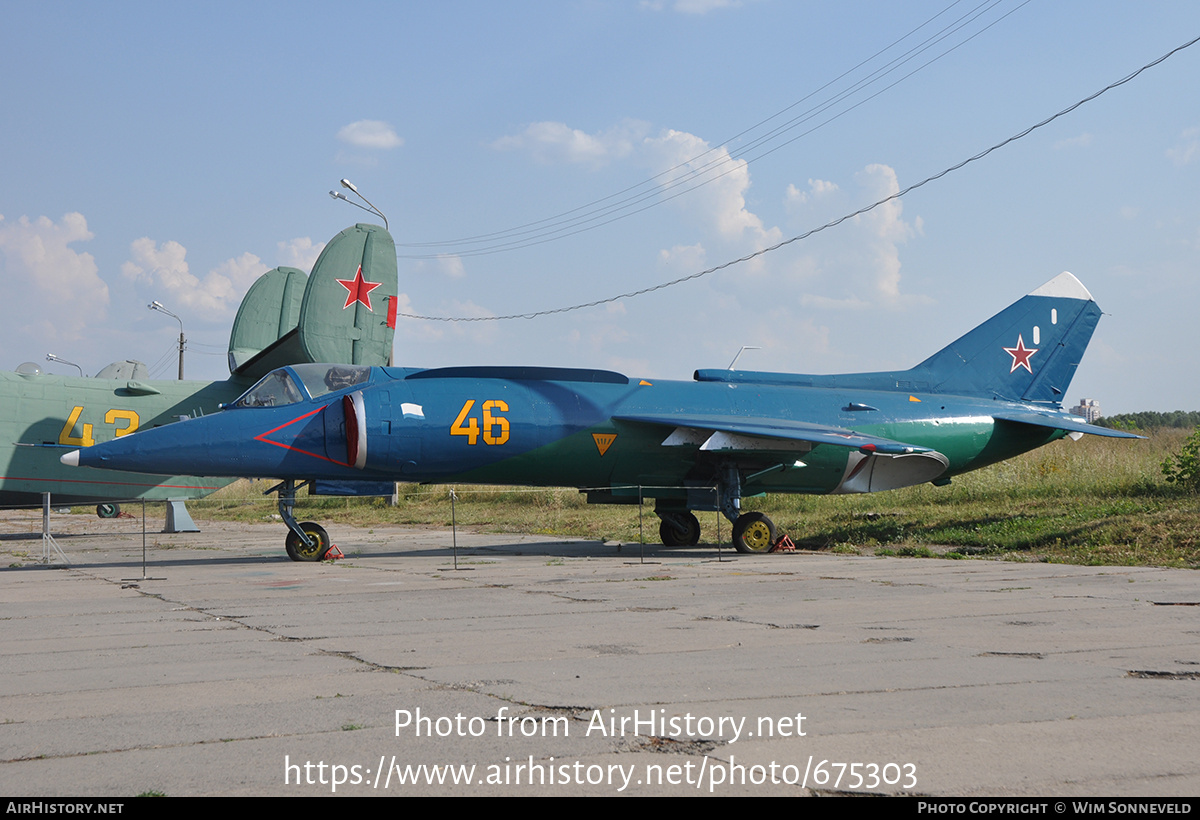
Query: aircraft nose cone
71	459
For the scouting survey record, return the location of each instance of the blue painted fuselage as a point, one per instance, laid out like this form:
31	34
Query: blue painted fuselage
590	429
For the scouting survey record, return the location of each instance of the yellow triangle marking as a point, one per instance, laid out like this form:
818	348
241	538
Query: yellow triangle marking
644	383
913	398
603	441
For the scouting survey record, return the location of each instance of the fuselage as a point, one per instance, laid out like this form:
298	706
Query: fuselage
42	416
564	427
705	444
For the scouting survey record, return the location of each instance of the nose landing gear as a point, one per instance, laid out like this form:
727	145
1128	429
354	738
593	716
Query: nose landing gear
315	549
305	542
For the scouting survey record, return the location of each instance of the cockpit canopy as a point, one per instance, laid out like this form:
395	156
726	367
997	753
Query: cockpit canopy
289	385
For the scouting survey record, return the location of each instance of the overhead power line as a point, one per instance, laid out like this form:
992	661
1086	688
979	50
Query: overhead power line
719	161
831	224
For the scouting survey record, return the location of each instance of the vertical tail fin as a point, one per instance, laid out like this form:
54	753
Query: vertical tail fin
1027	352
344	317
340	313
269	311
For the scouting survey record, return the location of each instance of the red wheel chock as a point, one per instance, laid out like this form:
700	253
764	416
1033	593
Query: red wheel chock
333	553
783	544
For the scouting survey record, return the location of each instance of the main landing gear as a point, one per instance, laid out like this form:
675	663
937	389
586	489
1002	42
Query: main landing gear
679	528
306	541
752	531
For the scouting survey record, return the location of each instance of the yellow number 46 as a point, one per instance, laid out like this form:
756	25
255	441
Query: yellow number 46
494	426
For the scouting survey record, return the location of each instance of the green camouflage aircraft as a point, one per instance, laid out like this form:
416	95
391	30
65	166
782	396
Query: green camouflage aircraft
344	312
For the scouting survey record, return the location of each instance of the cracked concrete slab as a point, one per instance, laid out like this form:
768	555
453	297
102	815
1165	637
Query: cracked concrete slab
969	677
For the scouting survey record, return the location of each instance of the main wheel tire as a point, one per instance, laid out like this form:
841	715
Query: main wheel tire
108	510
753	532
669	529
296	549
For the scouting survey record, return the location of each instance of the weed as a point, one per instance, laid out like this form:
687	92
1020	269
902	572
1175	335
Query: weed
1183	468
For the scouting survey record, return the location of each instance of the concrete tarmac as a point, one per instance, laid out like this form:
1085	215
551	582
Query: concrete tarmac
584	667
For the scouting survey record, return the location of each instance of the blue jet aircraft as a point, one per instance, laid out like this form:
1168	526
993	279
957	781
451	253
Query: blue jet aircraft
699	445
287	316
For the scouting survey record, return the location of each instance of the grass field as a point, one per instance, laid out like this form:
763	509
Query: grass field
1094	501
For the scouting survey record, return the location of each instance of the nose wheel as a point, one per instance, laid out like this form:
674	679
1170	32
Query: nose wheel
315	549
307	541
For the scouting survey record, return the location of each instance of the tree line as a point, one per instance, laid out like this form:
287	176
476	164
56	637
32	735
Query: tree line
1149	419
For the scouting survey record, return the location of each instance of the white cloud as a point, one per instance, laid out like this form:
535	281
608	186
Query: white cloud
241	271
685	257
1188	149
714	183
165	267
691	6
886	230
57	288
370	134
857	264
704	6
817	188
300	252
1081	141
553	142
721	202
451	265
414	333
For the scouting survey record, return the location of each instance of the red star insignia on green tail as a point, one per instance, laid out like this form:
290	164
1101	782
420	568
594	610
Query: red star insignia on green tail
359	290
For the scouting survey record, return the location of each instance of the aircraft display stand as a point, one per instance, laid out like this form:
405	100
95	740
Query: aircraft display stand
178	518
50	547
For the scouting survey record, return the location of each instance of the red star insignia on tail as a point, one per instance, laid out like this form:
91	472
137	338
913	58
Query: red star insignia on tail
1020	355
359	290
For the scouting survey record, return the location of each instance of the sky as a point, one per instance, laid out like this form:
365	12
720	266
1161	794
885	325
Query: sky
531	156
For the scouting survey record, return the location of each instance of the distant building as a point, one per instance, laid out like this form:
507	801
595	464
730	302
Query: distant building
1088	408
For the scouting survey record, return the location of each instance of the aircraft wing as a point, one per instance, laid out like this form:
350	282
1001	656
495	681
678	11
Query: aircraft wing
874	463
715	432
1068	423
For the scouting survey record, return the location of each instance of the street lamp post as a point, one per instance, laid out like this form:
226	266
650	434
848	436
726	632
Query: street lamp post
50	357
350	186
157	305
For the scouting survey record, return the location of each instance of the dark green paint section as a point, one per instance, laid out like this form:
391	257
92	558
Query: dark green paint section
970	442
637	463
269	311
636	459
